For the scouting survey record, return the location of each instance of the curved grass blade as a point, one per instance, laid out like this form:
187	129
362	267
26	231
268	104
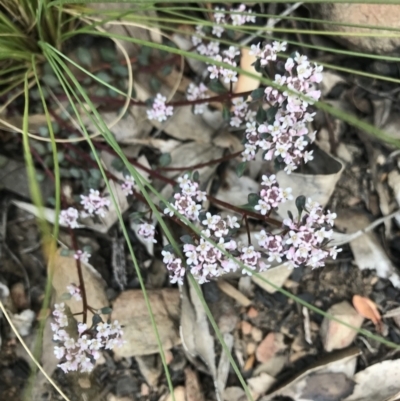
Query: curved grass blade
53	58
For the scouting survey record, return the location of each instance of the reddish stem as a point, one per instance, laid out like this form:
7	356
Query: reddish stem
80	276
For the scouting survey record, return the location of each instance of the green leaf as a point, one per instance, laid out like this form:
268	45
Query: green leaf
66	296
271	113
155	84
51	80
75	172
95	173
196	176
169	248
107	54
301	203
43	131
65	252
84	56
118	164
257	65
253	199
96	319
257	93
216	86
261	115
166	70
240	168
120	70
40	176
186	239
103	76
226	113
164	160
106	310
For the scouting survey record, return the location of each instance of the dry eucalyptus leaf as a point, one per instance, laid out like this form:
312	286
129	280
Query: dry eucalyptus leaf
276	275
378	382
199	67
244	82
185	125
234	190
65	273
130	310
335	335
367	250
224	364
340	362
192	153
317	182
194	321
133	125
47	213
367	308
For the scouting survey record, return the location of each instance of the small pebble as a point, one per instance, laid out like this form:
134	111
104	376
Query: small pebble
246	328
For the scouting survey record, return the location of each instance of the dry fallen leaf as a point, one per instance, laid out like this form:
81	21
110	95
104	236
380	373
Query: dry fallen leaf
367	308
333	334
378	382
367	249
130	310
343	362
65	273
318	183
244	82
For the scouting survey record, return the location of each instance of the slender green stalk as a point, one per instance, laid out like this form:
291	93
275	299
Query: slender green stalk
53	58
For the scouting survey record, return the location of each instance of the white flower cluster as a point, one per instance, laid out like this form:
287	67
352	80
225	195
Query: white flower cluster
237	17
186	199
83	256
286	136
147	232
196	92
241	113
81	353
304	240
74	291
128	185
226	74
205	260
159	110
93	204
271	195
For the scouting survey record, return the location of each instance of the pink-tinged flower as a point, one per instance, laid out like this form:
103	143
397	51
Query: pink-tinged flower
69	217
289	64
233	222
195	92
308	156
160	111
59	352
128	185
103	330
83	256
147	232
263	207
74	291
94	203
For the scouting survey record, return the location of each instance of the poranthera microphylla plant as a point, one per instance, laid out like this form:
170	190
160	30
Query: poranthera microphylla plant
280	127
